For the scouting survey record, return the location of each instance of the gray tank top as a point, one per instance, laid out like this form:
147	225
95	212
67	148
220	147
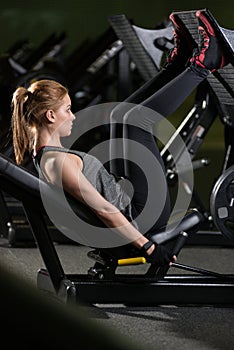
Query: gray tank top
115	192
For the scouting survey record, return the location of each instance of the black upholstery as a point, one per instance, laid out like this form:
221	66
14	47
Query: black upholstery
22	184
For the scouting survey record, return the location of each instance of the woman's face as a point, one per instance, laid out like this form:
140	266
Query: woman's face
64	117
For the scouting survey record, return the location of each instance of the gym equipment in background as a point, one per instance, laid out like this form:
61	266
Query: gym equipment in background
21	65
145	46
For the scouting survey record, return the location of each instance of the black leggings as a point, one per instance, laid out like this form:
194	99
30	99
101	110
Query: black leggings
139	149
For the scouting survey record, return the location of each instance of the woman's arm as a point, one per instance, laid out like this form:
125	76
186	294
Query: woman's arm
66	170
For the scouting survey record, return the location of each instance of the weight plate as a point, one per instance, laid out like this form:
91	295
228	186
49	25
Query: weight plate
222	203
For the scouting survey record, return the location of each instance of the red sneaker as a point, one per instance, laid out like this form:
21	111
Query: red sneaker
209	54
184	43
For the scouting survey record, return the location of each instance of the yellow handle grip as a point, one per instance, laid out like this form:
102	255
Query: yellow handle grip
131	261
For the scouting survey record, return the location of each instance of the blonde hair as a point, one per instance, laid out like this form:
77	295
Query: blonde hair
29	111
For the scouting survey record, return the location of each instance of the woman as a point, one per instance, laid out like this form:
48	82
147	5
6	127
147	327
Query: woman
42	116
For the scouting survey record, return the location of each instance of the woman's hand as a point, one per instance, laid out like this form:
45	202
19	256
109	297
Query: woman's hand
160	256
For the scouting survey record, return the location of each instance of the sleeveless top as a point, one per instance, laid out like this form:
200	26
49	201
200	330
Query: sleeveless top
105	183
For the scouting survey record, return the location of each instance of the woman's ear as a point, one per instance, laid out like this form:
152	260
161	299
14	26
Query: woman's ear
50	116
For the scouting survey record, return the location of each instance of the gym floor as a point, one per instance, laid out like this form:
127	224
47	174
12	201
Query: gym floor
194	327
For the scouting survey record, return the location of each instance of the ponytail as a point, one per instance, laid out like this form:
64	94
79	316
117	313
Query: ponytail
22	131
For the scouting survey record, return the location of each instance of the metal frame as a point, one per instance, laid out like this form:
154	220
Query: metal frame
137	290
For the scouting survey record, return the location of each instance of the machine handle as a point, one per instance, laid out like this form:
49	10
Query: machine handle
180	242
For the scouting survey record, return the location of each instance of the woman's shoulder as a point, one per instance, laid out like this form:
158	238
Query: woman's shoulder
58	155
54	149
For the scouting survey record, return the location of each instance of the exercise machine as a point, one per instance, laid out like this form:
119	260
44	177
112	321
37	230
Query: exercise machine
101	284
146	47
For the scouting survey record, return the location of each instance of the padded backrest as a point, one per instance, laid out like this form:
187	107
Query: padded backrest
26	187
13	175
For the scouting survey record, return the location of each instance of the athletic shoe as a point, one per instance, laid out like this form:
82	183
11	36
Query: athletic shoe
184	44
209	54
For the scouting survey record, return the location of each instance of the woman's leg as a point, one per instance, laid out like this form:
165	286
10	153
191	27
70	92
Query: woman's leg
139	126
139	123
175	64
166	100
145	170
149	95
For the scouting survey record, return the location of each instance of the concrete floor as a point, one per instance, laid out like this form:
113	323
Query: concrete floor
159	327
